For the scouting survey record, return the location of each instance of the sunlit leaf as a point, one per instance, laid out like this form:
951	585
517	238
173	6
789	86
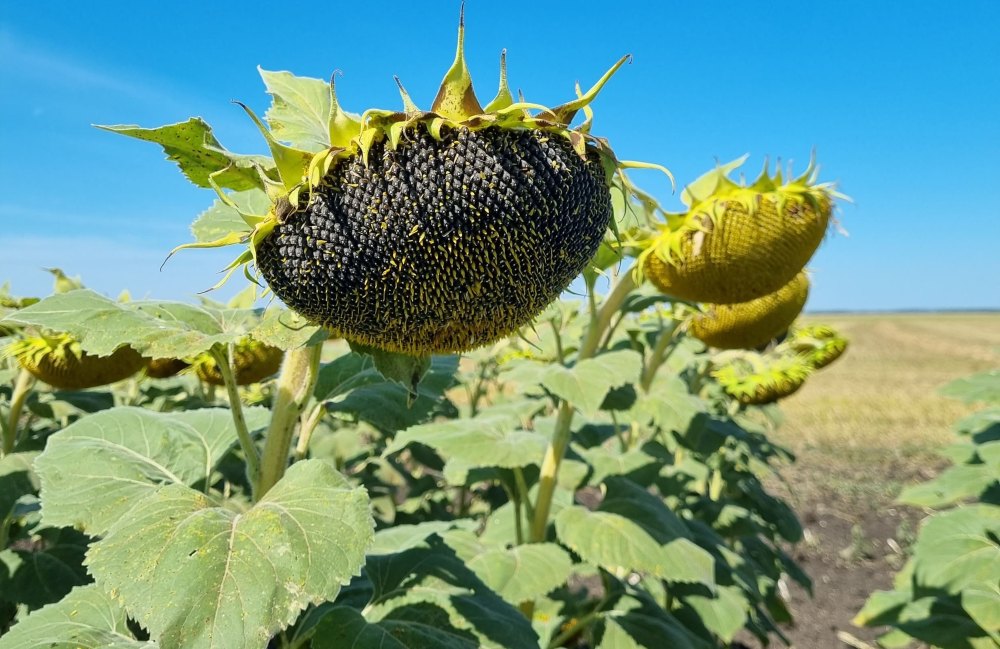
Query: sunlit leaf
523	572
300	110
617	543
154	329
492	438
202	576
84	619
586	383
984	387
221	219
959	548
193	146
130	453
429	592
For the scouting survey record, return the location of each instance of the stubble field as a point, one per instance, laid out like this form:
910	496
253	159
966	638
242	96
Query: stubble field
862	429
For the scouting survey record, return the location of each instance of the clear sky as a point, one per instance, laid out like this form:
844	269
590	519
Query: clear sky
900	99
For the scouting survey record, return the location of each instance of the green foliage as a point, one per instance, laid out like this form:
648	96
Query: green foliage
584	484
948	594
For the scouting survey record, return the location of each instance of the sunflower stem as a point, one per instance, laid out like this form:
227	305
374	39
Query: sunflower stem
295	387
658	355
600	321
224	361
306	430
22	388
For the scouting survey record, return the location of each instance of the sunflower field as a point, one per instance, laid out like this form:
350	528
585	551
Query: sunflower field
496	396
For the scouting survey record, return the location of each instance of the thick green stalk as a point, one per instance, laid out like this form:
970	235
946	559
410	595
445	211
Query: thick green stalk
295	387
236	408
600	322
22	388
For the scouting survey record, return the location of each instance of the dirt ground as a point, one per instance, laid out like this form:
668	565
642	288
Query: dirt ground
862	429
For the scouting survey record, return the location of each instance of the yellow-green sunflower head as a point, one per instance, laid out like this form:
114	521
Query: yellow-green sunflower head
738	242
59	361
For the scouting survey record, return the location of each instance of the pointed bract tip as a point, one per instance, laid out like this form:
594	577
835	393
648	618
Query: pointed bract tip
408	105
504	98
456	99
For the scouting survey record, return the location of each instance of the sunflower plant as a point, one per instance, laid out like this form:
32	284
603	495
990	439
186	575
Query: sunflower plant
453	453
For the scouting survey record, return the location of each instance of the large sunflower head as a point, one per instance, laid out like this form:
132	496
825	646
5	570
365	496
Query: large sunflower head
428	231
738	242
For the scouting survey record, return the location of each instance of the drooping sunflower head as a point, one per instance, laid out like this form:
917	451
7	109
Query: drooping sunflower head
163	368
760	379
253	362
430	231
818	344
59	360
748	325
736	243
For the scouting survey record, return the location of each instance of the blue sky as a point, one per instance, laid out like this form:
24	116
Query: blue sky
899	99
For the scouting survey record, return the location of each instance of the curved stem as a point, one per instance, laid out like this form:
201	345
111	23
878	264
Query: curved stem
236	408
22	388
658	355
295	387
600	320
306	430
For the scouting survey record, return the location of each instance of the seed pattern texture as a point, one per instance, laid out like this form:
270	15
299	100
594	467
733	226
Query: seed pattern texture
162	368
253	362
443	245
739	256
748	325
66	367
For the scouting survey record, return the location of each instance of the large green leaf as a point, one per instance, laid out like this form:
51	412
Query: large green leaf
959	548
84	619
724	614
493	438
982	602
523	572
641	623
586	383
193	146
287	330
617	543
220	219
352	386
300	110
154	329
130	453
202	576
46	571
436	583
418	626
17	478
668	404
984	387
952	485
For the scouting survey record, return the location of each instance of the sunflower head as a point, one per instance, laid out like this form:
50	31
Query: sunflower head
748	325
757	379
253	361
818	344
426	230
736	242
162	368
59	360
